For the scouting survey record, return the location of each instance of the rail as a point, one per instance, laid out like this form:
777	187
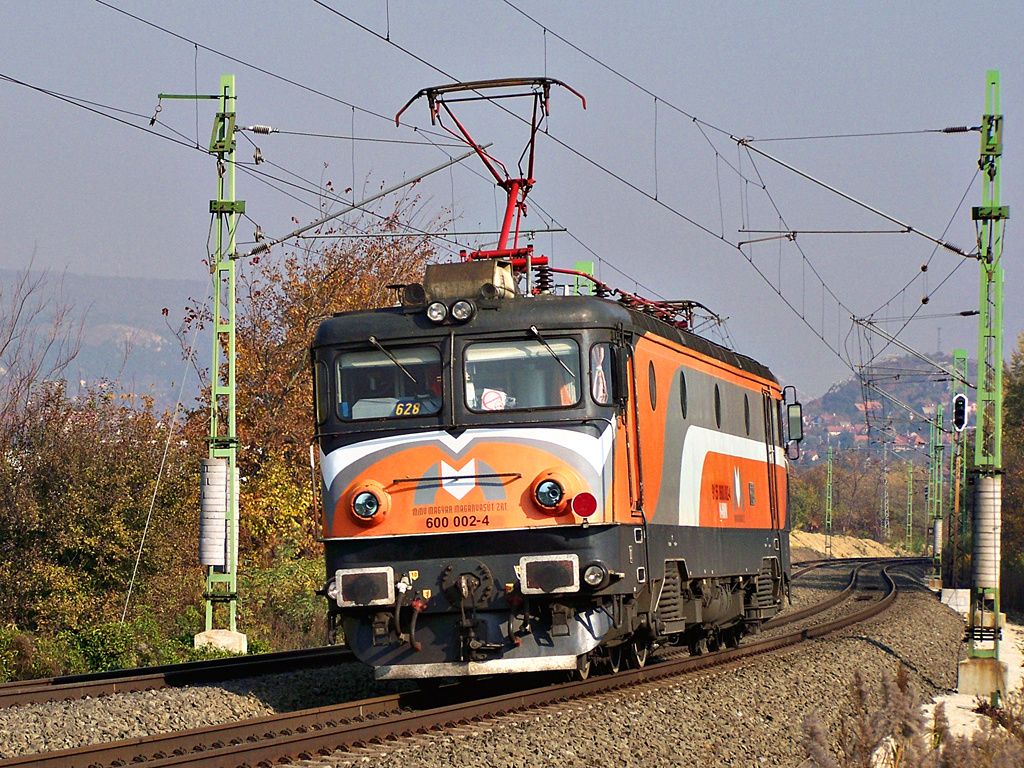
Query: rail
167	676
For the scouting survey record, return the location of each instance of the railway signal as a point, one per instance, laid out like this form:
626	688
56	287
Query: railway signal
959	411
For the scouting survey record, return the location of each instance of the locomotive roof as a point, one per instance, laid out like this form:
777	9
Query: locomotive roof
549	312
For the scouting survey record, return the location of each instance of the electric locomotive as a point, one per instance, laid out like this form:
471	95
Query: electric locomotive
515	480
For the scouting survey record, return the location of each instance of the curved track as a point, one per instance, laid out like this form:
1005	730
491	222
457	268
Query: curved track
316	732
92	685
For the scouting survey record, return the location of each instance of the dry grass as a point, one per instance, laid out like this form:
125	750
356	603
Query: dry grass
887	730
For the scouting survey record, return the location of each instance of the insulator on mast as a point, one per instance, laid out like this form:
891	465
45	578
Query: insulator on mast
545	280
213	506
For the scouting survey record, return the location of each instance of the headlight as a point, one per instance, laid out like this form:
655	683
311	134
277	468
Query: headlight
462	310
366	505
332	590
549	493
594	574
552	489
437	312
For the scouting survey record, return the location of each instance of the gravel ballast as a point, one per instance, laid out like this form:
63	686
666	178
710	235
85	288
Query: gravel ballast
54	726
735	717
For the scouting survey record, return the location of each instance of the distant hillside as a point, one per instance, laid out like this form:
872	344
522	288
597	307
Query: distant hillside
125	335
841	416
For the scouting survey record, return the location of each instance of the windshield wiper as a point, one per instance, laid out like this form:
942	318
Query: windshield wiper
535	332
391	357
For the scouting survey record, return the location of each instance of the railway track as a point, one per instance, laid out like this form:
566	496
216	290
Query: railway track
168	676
93	685
317	732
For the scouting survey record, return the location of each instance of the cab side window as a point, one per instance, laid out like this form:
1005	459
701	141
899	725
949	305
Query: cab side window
601	374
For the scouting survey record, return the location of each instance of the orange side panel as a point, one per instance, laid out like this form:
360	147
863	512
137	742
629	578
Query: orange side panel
704	364
726	494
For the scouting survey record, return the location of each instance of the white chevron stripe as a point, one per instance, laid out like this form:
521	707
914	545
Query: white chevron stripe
593	450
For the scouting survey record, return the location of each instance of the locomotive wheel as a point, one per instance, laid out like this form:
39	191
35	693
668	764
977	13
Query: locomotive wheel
731	637
698	646
582	671
714	640
615	657
638	649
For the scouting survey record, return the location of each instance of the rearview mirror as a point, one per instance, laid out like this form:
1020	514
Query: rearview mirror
795	419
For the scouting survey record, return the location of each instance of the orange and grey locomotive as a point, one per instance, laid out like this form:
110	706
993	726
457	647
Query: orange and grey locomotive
528	481
519	483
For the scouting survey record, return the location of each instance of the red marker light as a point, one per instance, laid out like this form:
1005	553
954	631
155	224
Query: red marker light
584	504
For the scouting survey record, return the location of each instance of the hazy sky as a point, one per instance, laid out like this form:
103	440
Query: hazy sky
81	192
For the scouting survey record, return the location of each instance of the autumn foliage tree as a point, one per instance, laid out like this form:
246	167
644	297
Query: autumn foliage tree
281	301
80	481
1013	480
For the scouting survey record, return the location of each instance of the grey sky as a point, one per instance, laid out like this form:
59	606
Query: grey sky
87	194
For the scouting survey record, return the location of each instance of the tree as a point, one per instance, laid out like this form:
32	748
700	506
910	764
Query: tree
281	301
39	337
1013	479
807	498
77	480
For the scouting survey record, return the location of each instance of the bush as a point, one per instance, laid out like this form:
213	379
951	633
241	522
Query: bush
278	606
9	653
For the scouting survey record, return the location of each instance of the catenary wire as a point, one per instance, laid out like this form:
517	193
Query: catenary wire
700	123
625	181
581	155
93	107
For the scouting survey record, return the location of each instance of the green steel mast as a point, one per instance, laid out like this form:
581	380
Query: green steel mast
910	503
935	489
990	217
828	507
220	543
958	521
222	584
885	489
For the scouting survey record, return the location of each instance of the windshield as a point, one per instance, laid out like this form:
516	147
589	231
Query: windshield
518	375
372	386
